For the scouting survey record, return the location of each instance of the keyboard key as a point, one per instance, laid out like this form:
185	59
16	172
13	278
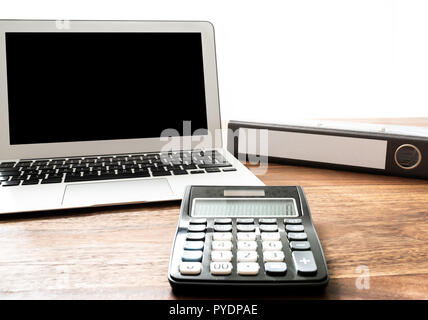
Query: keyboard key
197	171
52	180
179	172
10	183
272	245
297	236
194	245
190	268
212	170
294	228
270	236
222	236
221	268
30	182
214	165
7	164
273	256
248	268
192	256
300	245
275	268
4	178
160	173
229	169
247	256
304	262
222	245
221	256
247	245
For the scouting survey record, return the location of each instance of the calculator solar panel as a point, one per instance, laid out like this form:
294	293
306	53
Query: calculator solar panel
246	236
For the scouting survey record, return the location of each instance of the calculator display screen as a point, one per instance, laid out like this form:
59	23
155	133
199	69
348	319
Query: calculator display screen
248	207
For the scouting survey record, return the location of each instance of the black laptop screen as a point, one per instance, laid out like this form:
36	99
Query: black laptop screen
65	87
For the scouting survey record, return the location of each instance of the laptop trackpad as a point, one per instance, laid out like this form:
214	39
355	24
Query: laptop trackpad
113	192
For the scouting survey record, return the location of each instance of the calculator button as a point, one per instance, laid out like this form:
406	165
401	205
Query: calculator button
245	220
221	245
297	236
192	256
272	245
246	236
221	256
247	256
198	221
304	262
270	236
267	221
273	256
248	268
221	268
196	228
223	228
222	236
245	227
190	268
294	228
194	245
292	221
247	245
300	245
223	221
275	268
268	228
195	236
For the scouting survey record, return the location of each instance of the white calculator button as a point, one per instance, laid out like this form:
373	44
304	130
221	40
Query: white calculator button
247	245
221	245
222	236
190	268
246	236
221	268
194	245
248	268
273	256
247	256
270	236
272	245
268	228
221	256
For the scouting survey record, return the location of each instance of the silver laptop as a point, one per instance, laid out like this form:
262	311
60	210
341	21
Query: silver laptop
96	113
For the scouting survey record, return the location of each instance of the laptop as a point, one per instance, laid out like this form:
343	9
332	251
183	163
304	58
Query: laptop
96	113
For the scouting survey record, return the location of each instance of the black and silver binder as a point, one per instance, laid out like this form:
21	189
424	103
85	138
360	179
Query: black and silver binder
374	148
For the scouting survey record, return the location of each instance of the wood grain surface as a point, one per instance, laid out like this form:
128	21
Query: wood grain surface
374	221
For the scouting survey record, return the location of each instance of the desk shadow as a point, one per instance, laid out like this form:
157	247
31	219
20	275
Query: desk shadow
89	211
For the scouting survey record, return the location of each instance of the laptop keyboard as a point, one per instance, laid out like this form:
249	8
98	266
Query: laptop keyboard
31	172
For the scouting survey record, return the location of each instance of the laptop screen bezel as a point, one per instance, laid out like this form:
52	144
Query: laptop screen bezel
118	146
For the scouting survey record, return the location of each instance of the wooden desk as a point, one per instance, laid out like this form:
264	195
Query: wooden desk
123	252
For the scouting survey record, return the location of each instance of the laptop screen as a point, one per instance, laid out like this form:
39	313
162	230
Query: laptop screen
70	86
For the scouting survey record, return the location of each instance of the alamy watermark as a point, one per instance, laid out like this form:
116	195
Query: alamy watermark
363	280
252	146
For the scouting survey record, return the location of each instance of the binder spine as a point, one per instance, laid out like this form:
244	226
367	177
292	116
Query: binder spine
379	153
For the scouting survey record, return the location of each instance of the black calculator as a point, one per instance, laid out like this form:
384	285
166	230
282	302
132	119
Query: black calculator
246	236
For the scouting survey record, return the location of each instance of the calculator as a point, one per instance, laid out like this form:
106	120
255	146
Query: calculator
232	236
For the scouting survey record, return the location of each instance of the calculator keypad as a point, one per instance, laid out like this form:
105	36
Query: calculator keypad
238	243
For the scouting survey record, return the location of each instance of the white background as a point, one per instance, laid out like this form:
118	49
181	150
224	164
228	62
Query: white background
284	60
